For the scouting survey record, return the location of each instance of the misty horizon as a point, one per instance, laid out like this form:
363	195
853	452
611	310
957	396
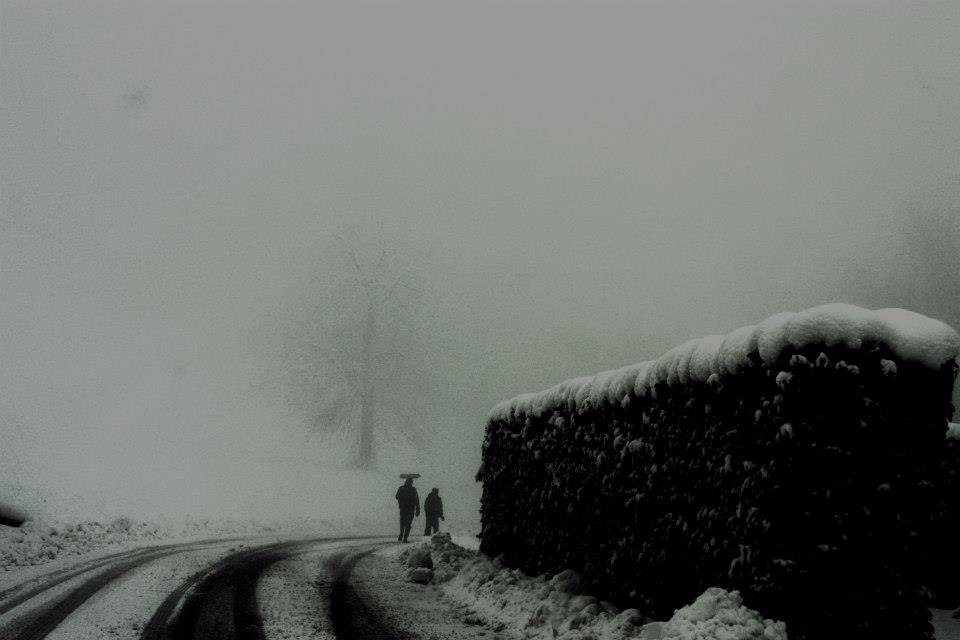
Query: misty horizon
190	190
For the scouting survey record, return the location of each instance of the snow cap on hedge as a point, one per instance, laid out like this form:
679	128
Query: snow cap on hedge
910	336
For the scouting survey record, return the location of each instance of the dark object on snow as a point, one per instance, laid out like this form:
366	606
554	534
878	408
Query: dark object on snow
409	502
11	516
9	522
433	509
420	557
409	476
420	575
817	476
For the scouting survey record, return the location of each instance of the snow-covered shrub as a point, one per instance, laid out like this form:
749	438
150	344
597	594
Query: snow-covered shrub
794	461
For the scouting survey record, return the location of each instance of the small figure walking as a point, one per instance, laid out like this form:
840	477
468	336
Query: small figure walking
409	502
433	508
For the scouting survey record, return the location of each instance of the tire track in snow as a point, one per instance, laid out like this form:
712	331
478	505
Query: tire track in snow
16	595
43	619
351	615
179	614
198	608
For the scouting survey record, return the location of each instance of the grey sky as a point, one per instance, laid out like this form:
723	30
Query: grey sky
571	186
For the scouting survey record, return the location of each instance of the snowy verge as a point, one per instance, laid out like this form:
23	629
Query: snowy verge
39	543
910	336
467	539
556	607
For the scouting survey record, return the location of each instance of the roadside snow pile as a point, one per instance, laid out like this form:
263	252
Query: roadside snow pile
35	543
421	564
718	614
470	540
441	557
953	431
557	607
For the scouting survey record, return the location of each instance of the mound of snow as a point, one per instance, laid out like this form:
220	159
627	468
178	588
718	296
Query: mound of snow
556	607
717	614
37	543
912	338
466	539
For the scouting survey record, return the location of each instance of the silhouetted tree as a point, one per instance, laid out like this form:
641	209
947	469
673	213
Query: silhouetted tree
356	367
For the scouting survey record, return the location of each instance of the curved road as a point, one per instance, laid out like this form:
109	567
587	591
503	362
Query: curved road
219	602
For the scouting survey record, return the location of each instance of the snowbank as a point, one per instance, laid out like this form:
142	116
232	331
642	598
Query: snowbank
910	336
37	543
556	607
720	614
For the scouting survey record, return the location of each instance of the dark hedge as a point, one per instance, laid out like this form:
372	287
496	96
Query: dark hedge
813	486
944	557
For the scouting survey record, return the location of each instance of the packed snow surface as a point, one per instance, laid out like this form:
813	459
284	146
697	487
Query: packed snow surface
953	431
912	338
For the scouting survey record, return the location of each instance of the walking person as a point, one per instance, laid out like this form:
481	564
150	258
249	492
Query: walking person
433	509
409	502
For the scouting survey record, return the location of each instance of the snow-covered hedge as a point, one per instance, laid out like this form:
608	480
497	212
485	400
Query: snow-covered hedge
791	460
944	556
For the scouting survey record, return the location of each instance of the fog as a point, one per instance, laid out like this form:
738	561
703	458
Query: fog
197	197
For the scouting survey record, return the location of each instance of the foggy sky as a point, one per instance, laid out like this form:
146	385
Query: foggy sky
567	187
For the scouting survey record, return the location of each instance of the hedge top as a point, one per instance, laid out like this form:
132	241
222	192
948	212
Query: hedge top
910	336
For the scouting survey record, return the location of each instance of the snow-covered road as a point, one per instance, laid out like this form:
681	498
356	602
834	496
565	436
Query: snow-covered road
291	589
337	589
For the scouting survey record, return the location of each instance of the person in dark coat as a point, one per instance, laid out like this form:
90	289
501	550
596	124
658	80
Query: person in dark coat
409	503
433	508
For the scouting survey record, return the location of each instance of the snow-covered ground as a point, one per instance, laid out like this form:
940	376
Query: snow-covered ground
122	607
946	624
37	548
466	596
512	604
248	496
557	607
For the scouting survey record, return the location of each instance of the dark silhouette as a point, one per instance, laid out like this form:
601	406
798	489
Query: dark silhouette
433	508
409	503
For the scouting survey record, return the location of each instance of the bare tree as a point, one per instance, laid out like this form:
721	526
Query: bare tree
352	369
